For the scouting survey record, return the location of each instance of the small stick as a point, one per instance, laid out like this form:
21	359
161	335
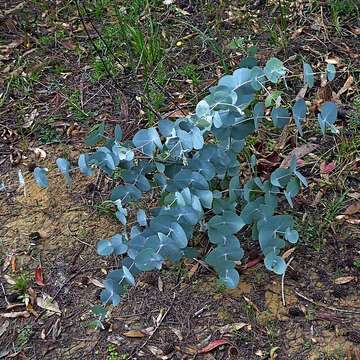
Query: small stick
153	333
326	306
283	282
3	289
97	184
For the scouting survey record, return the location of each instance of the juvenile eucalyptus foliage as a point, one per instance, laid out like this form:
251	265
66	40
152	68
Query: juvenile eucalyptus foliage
192	163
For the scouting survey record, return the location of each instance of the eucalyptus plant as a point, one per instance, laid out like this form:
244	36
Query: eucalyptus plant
192	164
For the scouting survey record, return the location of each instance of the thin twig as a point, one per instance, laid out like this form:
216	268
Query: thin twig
326	306
67	281
109	49
156	328
98	52
3	289
97	184
283	283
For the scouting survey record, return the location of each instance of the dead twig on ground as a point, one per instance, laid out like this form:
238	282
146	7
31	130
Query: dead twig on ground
329	307
283	283
155	330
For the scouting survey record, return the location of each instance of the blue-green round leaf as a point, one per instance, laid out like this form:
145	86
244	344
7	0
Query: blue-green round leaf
122	152
96	134
148	260
292	189
299	113
141	217
274	70
64	167
202	109
227	81
41	179
230	278
280	117
308	75
104	248
110	293
118	133
178	235
107	157
330	72
242	79
197	138
166	127
146	140
327	117
108	296
257	78
291	235
258	113
205	196
128	276
125	193
121	216
280	177
83	165
99	310
118	245
228	223
116	275
275	263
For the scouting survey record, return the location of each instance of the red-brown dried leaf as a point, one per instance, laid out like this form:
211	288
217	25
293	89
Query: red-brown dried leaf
39	279
213	345
327	168
251	263
268	163
353	208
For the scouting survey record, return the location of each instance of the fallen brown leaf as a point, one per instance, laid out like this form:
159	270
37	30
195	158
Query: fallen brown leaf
344	280
39	153
355	30
15	43
327	168
16	8
13	264
334	60
4	327
13	315
193	270
301	94
288	253
299	152
348	219
30	118
353	208
67	44
134	334
32	294
324	93
231	328
213	345
297	32
46	302
6	263
39	279
9	280
354	195
346	86
96	282
155	350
